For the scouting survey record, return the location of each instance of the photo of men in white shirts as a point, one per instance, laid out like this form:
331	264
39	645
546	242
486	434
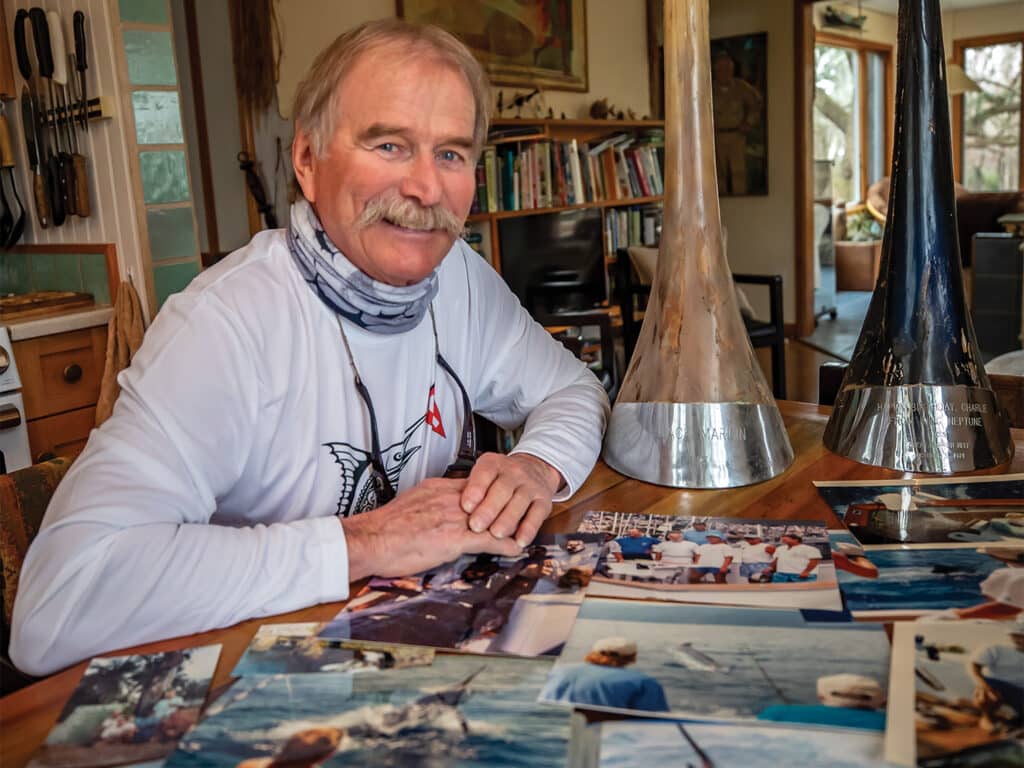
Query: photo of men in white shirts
715	558
756	557
794	560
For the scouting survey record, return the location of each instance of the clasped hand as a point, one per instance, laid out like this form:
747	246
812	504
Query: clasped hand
498	509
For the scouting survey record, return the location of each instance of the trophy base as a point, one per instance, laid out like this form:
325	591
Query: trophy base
920	428
697	445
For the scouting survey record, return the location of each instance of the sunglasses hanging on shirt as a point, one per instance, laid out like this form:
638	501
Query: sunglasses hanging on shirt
466	458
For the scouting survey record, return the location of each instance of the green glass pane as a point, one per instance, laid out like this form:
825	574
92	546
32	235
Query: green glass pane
157	117
94	276
171	234
172	278
144	11
55	272
15	276
164	176
150	57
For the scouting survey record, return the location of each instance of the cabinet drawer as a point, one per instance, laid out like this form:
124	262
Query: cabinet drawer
61	372
63	435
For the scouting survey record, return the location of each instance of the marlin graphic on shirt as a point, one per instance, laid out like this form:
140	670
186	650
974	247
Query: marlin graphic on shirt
359	492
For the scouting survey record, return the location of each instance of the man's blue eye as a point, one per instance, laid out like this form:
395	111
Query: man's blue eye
387	146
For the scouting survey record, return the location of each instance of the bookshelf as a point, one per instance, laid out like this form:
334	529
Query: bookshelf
533	167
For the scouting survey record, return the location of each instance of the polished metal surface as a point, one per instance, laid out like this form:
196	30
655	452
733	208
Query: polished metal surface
695	409
922	428
698	445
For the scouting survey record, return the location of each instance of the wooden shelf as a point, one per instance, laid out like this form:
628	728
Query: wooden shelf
512	122
627	201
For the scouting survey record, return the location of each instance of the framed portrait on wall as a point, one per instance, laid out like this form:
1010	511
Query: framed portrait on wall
739	90
540	43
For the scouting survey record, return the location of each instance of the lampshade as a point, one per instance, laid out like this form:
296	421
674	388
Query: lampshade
957	81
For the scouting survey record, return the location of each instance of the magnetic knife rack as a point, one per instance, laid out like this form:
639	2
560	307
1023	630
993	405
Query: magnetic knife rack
98	109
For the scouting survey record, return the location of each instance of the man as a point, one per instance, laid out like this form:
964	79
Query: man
714	558
998	675
602	680
697	533
284	427
675	552
737	108
634	546
847	701
755	557
794	560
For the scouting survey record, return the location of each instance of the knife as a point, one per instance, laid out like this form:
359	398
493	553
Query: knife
81	64
62	115
57	177
39	183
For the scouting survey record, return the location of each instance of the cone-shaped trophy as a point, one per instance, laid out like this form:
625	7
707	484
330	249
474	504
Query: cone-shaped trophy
915	396
694	410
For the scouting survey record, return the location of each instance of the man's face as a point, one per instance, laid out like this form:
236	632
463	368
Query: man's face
404	128
635	533
790	541
700	526
675	536
723	68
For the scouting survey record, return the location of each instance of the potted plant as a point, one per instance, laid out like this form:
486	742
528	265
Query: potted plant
858	255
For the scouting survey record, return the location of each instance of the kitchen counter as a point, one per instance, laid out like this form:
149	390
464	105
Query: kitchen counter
33	327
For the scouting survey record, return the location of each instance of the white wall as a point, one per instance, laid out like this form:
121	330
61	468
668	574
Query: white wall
105	145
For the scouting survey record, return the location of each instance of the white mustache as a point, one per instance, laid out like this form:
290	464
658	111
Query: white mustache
404	212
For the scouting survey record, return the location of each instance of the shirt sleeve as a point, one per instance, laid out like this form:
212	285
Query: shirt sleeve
126	553
524	374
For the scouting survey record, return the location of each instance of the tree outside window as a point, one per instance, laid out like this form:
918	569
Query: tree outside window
991	127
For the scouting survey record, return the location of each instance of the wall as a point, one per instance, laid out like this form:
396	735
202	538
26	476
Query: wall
975	22
106	145
879	27
616	49
762	235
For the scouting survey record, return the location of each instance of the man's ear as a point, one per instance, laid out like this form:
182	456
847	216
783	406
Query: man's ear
304	163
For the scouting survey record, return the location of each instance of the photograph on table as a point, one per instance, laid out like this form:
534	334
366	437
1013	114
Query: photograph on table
961	694
967	511
130	709
636	743
522	605
715	662
461	710
898	581
723	560
288	649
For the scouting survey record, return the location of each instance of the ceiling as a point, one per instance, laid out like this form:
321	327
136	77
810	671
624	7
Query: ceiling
889	6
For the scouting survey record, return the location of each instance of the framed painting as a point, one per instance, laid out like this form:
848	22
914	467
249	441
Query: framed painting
535	43
739	90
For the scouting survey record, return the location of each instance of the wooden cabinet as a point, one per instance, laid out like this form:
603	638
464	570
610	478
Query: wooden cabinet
60	377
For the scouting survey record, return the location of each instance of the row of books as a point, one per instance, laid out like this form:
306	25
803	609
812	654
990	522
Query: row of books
636	225
546	174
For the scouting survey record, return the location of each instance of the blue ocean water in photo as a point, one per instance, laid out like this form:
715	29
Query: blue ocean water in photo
919	579
506	727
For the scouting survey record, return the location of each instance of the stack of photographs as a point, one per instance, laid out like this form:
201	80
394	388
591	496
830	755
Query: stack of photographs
930	546
960	698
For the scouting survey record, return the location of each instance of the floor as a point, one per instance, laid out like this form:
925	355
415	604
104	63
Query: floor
839	337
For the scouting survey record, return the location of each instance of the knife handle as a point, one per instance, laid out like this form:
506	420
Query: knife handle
67	183
53	185
41	34
21	45
82	206
6	155
42	199
79	23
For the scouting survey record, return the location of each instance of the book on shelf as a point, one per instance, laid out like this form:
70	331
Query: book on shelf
536	174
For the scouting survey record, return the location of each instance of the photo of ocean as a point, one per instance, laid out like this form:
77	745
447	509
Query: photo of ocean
639	744
730	663
406	717
920	579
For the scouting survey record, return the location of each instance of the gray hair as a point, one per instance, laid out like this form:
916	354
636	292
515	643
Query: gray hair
316	100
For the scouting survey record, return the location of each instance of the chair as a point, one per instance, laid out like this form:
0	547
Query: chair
604	368
762	334
24	496
1009	390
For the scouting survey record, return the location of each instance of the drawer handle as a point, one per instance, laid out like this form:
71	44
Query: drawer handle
72	373
10	416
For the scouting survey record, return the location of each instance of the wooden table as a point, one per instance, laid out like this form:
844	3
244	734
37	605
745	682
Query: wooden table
27	716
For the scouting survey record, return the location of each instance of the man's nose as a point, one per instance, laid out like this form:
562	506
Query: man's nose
423	180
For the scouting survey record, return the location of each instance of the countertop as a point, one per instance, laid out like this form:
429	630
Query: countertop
33	327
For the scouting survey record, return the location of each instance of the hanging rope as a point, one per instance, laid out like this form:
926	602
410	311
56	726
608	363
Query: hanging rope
257	51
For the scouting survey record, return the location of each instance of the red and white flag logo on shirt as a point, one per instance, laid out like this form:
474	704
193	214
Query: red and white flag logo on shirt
434	414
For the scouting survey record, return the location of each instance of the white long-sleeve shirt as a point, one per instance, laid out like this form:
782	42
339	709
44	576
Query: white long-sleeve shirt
210	495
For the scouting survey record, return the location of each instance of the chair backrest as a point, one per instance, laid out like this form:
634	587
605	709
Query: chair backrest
602	320
24	496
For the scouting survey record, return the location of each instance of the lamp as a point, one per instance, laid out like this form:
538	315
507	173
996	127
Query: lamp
957	81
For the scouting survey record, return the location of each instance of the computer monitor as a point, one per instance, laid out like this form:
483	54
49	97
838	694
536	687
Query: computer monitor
554	262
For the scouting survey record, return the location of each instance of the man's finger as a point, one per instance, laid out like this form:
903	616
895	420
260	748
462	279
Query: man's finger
480	479
485	542
507	521
532	521
497	498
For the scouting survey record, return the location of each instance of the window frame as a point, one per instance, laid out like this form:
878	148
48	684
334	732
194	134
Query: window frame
863	48
960	47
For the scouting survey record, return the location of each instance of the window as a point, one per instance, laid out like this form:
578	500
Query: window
852	112
987	122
